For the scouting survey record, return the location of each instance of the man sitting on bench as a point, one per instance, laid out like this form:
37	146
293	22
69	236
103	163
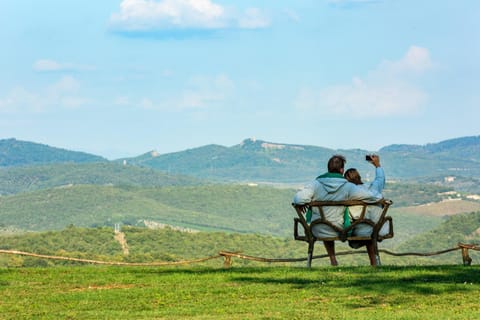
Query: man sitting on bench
332	186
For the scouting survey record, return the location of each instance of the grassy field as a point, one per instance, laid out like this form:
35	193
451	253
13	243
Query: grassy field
93	292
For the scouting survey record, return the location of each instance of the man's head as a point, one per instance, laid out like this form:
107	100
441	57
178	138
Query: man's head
336	164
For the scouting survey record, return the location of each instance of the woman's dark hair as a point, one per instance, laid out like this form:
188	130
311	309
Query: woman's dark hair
353	176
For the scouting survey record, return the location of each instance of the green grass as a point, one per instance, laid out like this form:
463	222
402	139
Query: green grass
92	292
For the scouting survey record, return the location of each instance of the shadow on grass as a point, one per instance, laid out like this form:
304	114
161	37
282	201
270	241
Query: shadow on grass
428	280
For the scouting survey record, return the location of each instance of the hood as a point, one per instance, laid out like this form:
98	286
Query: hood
331	185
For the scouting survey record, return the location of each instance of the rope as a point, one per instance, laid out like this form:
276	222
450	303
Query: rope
227	255
22	253
427	254
252	258
460	246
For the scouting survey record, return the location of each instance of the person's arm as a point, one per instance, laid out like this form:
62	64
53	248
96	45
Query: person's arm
379	182
305	195
357	192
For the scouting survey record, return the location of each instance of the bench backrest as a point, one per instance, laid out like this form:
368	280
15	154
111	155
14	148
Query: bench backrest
301	209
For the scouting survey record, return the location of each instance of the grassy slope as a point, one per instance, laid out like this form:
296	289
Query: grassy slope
234	208
30	178
227	208
448	292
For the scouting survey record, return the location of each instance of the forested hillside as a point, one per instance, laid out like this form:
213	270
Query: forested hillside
29	178
257	160
232	208
211	207
145	245
457	228
263	161
15	152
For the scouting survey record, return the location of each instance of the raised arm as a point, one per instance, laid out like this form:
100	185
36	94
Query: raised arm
379	182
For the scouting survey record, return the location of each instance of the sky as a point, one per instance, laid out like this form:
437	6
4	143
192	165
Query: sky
119	78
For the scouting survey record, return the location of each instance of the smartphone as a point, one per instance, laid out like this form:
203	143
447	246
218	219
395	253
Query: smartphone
368	157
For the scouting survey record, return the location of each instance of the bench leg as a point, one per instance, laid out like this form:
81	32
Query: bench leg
377	255
467	261
373	255
310	254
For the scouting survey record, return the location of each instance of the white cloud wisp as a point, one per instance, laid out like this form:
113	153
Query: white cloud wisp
389	90
63	94
47	65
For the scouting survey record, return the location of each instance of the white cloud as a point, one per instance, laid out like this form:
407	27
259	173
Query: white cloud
416	61
200	93
292	15
19	99
61	94
122	101
253	18
151	16
388	90
47	65
65	84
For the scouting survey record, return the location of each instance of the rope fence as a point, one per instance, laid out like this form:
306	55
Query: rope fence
227	256
111	263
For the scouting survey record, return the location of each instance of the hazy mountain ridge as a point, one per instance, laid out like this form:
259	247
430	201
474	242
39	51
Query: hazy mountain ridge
15	152
259	160
262	161
36	177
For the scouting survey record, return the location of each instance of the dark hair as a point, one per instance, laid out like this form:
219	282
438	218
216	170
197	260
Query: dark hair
336	164
353	176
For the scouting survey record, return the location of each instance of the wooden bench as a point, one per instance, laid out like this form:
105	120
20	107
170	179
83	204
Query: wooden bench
343	234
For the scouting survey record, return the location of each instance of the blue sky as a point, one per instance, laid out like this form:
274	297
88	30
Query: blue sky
120	78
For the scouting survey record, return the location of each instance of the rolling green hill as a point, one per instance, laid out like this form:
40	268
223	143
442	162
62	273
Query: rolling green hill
457	228
216	207
252	160
232	208
15	152
257	160
147	245
30	178
262	161
144	245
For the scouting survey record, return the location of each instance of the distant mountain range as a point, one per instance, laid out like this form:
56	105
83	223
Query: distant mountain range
47	188
15	152
262	161
257	160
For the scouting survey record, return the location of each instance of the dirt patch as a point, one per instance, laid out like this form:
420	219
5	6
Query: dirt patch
120	237
105	287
